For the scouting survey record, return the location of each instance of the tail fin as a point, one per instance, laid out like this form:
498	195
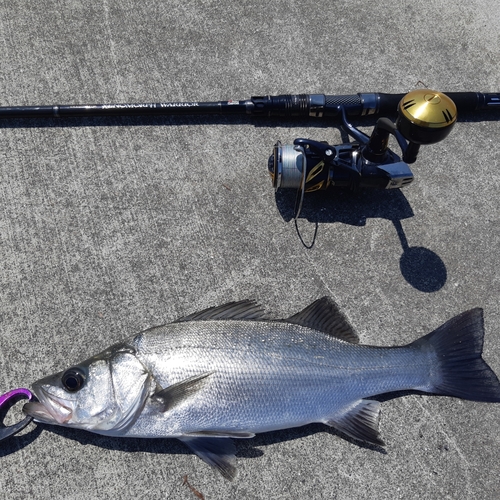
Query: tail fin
461	371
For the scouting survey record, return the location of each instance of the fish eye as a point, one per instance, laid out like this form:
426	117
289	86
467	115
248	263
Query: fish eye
73	379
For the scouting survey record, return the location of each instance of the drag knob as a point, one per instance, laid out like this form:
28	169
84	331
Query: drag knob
425	117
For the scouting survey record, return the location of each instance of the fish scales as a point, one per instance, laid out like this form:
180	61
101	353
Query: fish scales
268	376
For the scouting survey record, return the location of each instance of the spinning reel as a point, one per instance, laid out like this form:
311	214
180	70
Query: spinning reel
424	117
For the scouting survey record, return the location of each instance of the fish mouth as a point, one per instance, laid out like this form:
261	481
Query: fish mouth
49	409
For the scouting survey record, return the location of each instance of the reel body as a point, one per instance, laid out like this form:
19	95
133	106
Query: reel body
318	165
424	117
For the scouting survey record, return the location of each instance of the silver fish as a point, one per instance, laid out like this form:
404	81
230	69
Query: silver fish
228	372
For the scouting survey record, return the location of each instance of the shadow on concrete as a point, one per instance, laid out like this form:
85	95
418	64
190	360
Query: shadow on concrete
422	268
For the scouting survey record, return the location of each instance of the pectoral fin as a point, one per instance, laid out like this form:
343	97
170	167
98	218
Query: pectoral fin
360	421
219	453
168	398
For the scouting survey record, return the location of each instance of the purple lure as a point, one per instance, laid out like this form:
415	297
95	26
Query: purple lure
6	401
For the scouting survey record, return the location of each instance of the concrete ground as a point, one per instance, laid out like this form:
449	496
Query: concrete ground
108	227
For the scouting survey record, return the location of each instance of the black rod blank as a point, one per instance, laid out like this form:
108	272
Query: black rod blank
298	105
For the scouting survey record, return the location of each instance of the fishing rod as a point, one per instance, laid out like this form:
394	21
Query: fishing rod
298	105
424	116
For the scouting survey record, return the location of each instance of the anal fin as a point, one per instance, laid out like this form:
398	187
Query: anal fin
360	421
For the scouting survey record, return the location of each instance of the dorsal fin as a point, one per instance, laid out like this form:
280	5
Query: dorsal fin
242	310
324	315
